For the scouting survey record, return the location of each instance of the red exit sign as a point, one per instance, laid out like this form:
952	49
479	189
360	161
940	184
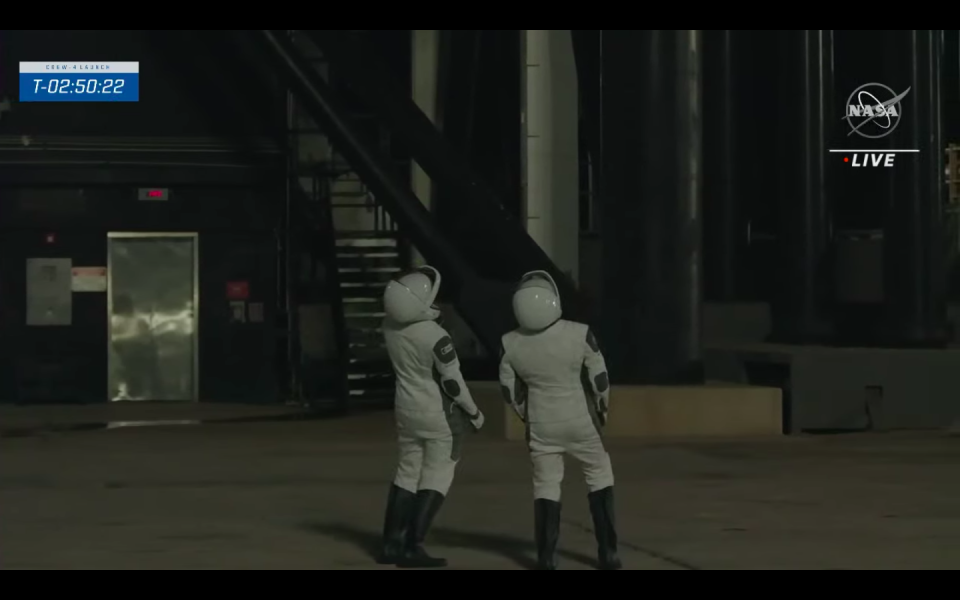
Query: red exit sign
156	194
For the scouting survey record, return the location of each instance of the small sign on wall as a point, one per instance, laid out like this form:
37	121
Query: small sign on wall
88	279
238	311
49	301
153	194
238	290
255	312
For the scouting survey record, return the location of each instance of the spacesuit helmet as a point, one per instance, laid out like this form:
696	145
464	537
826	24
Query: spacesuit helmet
536	303
411	298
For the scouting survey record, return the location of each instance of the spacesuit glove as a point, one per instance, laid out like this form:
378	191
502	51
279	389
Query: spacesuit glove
477	421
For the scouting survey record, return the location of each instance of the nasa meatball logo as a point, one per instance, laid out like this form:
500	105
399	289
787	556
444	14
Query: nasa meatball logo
874	110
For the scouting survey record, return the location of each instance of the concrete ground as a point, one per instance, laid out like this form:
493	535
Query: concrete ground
309	495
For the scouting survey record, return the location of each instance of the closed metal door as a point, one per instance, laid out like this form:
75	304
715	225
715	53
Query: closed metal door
152	316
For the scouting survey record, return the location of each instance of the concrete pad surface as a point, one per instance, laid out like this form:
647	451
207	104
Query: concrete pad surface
309	495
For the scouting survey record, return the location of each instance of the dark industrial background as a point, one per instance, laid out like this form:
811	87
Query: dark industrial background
742	124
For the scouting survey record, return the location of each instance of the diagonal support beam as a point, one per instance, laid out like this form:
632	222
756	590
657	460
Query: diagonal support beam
485	305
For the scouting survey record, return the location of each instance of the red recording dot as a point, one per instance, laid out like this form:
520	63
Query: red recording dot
845	159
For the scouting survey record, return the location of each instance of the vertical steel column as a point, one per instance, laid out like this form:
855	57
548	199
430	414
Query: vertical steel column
286	276
914	242
586	50
458	74
651	297
806	94
722	189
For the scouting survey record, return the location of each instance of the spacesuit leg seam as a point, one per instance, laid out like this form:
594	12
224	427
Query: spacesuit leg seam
456	448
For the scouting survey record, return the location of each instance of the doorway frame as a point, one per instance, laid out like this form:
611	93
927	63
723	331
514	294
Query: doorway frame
139	235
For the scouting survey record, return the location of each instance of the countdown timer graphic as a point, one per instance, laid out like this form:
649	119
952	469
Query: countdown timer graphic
79	81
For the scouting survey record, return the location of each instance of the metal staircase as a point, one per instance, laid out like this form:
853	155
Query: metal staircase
369	251
365	266
480	275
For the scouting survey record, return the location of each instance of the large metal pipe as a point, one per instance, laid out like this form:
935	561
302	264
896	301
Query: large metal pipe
914	242
806	93
722	190
651	221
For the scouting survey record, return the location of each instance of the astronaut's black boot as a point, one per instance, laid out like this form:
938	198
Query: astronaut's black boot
428	504
547	524
604	524
400	505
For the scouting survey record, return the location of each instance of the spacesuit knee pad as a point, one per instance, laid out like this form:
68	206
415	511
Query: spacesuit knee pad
438	479
548	476
406	481
408	475
547	491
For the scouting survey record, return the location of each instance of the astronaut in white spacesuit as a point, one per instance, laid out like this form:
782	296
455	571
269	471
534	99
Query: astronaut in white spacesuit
554	376
434	410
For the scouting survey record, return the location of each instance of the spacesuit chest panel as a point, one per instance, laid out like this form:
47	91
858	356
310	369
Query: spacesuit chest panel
411	352
550	363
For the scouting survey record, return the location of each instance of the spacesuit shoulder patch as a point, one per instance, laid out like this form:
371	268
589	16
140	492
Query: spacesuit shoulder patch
592	341
444	350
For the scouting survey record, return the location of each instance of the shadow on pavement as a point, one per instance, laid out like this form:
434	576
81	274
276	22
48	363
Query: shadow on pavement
518	550
367	541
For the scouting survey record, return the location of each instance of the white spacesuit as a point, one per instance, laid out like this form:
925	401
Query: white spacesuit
434	410
554	376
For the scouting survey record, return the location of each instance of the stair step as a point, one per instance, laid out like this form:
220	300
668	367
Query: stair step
371	379
357	360
369	269
386	392
382	363
372	240
359	244
373	254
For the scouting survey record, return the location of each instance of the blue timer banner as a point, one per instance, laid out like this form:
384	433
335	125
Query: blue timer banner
79	82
